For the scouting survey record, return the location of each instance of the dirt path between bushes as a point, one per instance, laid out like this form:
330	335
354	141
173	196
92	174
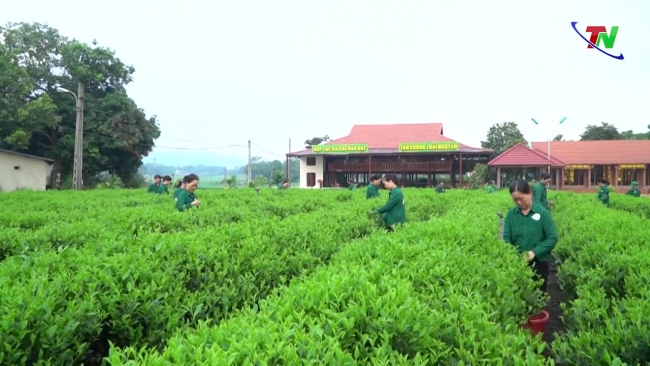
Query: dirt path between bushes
553	308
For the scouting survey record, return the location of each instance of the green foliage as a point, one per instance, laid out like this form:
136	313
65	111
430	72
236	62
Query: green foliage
605	131
480	176
230	182
605	261
273	169
501	137
631	135
260	181
34	60
316	141
304	276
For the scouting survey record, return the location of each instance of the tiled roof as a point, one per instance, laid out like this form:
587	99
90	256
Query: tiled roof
521	155
385	139
605	152
25	155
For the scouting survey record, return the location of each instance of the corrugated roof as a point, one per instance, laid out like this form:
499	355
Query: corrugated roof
604	152
25	155
388	137
521	155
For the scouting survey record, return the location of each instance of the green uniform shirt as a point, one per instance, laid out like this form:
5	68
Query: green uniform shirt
634	192
163	189
491	189
352	187
394	212
539	195
372	191
440	189
185	199
177	191
603	195
532	232
153	188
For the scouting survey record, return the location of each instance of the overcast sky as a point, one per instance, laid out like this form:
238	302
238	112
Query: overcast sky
218	73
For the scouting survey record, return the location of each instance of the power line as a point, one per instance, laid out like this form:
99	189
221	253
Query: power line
160	147
184	140
266	151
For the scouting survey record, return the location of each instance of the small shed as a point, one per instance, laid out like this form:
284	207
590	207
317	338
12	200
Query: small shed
18	170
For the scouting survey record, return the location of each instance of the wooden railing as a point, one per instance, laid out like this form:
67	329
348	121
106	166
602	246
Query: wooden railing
411	167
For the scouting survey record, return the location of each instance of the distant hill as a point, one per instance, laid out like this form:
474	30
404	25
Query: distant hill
182	158
201	170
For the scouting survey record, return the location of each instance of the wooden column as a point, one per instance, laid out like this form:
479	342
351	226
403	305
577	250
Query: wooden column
428	179
460	168
642	182
369	167
498	178
615	168
588	182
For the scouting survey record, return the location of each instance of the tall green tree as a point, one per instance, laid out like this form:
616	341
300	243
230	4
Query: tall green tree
35	60
503	136
605	131
316	141
273	169
631	135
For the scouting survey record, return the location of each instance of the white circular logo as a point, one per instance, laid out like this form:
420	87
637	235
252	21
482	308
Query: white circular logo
536	216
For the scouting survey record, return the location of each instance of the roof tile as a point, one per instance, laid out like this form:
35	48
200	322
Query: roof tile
390	136
521	155
604	152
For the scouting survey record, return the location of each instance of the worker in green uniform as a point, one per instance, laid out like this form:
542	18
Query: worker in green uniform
393	212
491	187
441	187
153	188
634	190
186	198
351	186
540	194
603	192
372	190
179	187
164	187
284	185
530	228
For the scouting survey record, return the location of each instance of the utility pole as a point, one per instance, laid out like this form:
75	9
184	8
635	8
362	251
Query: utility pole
249	162
77	173
548	143
288	162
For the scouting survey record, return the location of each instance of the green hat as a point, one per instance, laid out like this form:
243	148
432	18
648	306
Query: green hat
634	183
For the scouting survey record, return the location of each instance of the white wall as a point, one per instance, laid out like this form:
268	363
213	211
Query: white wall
32	173
319	168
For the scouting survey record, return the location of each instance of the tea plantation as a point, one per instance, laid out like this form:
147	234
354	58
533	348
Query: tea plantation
304	277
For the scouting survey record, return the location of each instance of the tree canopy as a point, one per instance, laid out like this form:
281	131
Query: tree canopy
605	131
273	171
503	136
34	118
316	141
630	135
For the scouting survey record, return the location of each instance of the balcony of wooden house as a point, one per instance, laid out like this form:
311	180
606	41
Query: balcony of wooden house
390	167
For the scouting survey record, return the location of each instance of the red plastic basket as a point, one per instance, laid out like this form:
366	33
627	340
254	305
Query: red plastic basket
537	322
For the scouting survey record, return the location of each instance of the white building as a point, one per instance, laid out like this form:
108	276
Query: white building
19	170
